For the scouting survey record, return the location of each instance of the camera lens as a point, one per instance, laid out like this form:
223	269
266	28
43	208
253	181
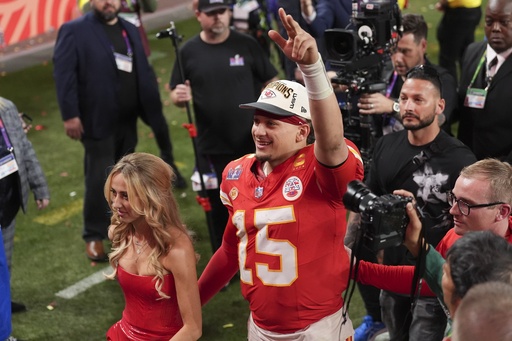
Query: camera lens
357	196
340	44
343	47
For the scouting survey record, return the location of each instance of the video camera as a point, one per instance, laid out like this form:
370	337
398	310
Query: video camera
383	219
359	56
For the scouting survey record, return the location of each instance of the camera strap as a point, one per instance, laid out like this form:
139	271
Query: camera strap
416	162
419	268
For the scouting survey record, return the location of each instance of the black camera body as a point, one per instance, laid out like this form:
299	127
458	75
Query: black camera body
383	218
360	55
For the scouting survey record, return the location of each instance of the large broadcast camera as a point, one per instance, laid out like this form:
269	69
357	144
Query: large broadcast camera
361	58
360	55
383	219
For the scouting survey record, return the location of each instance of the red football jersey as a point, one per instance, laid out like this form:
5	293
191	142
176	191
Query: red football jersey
288	230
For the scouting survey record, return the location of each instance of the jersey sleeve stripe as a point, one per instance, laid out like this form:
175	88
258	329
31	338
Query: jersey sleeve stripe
225	198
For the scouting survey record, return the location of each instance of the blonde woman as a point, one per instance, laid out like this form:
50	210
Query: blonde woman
152	254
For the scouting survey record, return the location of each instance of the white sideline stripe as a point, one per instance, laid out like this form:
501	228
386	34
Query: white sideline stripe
84	284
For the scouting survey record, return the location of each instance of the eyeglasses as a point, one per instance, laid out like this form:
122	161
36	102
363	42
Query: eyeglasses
219	11
425	72
464	207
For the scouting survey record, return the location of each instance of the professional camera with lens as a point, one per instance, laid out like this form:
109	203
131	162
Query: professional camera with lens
361	55
383	218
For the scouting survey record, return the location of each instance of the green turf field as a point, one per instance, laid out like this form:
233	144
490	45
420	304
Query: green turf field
49	251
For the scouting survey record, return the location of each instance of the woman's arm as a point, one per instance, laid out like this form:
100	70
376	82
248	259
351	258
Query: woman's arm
181	262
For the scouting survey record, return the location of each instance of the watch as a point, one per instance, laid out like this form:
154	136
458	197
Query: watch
396	108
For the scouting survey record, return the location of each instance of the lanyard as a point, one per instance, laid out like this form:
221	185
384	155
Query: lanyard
127	42
6	138
477	71
391	86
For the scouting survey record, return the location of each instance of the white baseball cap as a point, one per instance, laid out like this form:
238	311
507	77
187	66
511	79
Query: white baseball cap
283	98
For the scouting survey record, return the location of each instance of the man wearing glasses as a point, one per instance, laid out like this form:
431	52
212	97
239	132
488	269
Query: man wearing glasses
425	161
481	200
488	180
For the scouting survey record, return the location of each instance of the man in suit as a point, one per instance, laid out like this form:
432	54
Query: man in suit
131	10
20	173
104	83
484	92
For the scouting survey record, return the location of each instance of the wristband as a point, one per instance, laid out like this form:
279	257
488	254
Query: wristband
318	85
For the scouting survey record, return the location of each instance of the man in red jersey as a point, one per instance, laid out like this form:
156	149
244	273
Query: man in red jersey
287	221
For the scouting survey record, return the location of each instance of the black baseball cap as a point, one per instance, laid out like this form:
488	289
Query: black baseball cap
212	5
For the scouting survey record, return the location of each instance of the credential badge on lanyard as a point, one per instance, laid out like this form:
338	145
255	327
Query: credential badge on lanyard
125	63
475	98
8	163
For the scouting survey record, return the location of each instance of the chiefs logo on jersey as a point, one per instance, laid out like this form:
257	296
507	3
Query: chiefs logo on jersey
233	194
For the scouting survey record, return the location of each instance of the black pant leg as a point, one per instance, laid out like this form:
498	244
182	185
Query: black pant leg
99	157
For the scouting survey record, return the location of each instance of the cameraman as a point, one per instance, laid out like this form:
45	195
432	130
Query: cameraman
410	52
441	159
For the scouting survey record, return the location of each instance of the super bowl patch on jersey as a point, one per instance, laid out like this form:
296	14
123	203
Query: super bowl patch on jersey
292	188
234	174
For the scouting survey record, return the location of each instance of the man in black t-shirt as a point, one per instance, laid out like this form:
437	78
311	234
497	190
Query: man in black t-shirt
442	158
384	109
222	68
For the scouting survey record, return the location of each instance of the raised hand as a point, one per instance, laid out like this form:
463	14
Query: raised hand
300	46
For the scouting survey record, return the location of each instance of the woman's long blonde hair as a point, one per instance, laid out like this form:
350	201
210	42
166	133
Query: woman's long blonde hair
149	188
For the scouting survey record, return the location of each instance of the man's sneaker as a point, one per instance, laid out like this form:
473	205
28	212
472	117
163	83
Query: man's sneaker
368	330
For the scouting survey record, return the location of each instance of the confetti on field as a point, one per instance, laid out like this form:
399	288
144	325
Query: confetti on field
228	325
51	306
